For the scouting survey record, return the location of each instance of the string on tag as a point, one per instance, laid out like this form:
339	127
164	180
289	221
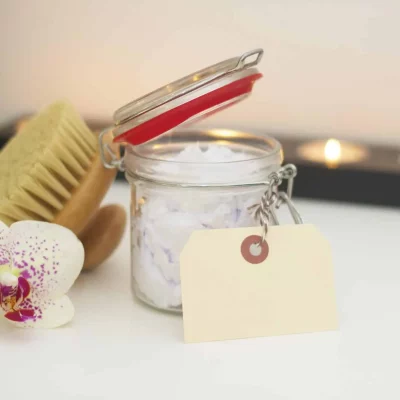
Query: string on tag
272	199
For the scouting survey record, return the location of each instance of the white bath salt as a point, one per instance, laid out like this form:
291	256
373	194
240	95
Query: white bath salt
215	153
167	217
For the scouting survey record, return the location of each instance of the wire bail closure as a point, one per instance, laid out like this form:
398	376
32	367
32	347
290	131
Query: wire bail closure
272	199
109	157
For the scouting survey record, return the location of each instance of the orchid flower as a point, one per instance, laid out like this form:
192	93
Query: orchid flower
39	262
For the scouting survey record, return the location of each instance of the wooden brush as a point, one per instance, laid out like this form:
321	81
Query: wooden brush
51	171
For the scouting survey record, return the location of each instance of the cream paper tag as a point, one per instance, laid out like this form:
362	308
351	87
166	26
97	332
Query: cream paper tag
226	297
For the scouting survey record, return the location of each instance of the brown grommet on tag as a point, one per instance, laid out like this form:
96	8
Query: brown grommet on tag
246	247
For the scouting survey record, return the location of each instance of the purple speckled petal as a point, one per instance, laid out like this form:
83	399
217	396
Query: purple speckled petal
49	257
21	315
7	291
4	254
23	290
4	231
50	313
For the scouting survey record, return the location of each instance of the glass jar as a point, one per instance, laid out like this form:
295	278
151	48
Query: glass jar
171	199
187	179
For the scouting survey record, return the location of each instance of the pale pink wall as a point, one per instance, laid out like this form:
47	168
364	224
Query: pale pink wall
331	67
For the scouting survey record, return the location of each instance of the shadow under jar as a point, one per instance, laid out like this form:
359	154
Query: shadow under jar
185	181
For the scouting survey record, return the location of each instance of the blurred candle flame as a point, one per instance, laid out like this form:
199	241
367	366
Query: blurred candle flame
332	152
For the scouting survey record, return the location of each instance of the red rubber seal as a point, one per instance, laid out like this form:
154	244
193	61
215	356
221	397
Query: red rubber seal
172	118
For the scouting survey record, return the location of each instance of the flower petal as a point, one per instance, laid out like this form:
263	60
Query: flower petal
4	255
53	314
23	289
49	256
8	290
4	231
20	315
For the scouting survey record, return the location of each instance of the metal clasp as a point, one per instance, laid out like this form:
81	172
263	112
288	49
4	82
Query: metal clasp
242	60
109	158
284	198
288	172
272	199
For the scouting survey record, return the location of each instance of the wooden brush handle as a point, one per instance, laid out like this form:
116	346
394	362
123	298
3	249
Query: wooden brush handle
103	234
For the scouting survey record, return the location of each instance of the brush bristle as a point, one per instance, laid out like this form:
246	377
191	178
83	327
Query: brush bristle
43	163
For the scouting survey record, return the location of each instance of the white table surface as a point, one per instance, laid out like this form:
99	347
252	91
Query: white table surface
117	348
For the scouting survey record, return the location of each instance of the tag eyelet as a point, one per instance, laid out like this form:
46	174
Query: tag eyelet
246	249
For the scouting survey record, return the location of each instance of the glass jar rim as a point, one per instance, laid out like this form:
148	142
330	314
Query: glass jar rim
276	149
146	162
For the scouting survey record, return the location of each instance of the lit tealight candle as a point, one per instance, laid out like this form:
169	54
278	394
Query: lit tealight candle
332	152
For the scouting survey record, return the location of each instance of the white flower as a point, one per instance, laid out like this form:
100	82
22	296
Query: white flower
39	262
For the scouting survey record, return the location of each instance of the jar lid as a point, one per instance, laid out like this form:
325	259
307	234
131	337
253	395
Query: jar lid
190	98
